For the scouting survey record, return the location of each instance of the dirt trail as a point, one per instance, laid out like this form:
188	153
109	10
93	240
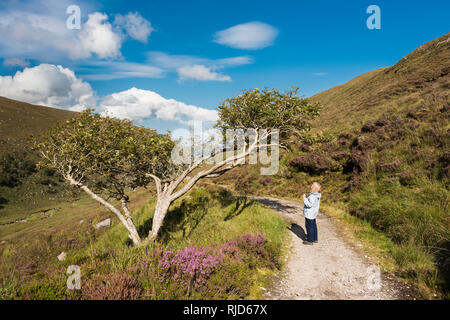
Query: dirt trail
330	269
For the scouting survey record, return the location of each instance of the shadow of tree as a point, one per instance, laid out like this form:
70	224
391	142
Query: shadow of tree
144	229
241	204
184	218
280	207
225	197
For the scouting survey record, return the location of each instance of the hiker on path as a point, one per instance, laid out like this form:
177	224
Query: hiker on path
310	211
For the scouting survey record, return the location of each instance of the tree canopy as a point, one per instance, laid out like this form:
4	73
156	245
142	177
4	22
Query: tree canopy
107	154
267	109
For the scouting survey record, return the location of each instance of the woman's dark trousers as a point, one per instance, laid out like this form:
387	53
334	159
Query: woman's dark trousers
311	230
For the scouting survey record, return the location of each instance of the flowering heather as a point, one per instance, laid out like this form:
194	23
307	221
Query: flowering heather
247	243
195	262
219	271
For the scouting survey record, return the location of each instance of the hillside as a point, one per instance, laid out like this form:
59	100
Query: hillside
23	190
421	73
20	119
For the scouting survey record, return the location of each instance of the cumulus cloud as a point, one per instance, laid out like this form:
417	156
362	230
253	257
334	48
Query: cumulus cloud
134	25
201	73
250	36
137	104
15	62
59	87
38	30
48	85
97	36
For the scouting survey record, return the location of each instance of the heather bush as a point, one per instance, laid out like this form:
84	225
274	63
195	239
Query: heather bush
218	271
190	267
117	286
314	163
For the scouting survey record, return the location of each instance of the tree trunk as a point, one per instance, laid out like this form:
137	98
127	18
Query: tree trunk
134	236
167	195
162	206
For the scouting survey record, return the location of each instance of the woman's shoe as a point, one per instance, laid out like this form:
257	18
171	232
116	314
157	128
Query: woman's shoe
308	243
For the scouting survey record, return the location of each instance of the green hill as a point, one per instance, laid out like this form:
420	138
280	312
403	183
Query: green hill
23	190
19	120
422	73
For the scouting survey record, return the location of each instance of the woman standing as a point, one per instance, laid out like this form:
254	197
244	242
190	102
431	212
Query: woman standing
310	211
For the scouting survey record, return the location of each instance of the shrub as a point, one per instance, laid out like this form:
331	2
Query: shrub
190	264
265	181
118	286
314	163
221	271
243	183
390	166
14	167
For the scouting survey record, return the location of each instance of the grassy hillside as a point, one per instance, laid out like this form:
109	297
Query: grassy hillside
385	160
423	72
23	191
19	120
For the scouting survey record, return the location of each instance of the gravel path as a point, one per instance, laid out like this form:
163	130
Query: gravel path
330	269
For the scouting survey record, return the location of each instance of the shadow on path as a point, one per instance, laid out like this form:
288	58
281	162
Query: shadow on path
298	231
280	206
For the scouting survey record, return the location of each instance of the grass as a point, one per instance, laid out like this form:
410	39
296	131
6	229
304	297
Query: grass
208	219
407	263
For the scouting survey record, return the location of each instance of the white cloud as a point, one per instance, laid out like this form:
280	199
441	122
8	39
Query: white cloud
15	62
37	30
250	36
175	61
192	67
135	26
137	104
97	36
59	87
201	73
109	70
48	85
235	61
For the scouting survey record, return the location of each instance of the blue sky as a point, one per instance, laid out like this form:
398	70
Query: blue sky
180	55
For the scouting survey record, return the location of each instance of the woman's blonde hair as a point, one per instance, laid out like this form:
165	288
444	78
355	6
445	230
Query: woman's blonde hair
315	187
